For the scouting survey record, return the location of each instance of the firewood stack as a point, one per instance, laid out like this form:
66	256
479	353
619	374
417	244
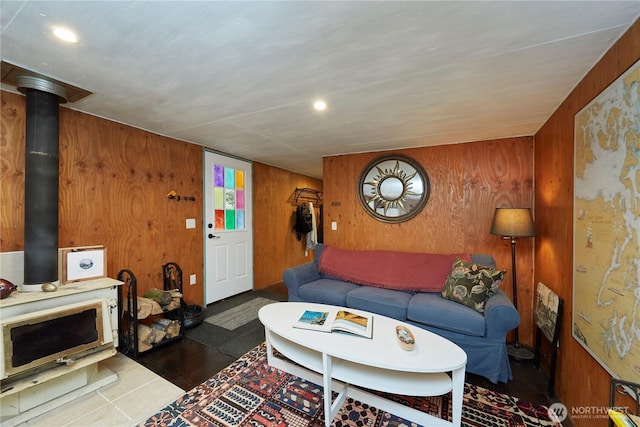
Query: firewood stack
168	300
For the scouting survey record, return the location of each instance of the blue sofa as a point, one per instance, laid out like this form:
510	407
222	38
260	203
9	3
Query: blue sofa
482	337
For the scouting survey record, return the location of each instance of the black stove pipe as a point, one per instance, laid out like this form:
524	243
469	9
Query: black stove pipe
41	184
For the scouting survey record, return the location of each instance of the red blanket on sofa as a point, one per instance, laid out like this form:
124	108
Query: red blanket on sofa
406	271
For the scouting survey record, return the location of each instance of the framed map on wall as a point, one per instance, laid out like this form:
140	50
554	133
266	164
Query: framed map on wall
606	245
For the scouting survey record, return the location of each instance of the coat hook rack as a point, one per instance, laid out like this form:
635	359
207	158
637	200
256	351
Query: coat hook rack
305	195
171	195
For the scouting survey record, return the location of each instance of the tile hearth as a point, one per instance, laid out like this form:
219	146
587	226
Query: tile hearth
136	395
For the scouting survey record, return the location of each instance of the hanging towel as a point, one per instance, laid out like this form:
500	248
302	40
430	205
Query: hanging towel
312	236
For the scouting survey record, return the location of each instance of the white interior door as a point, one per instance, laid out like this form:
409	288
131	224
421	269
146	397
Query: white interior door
228	227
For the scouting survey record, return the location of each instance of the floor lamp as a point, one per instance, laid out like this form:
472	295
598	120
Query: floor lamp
510	223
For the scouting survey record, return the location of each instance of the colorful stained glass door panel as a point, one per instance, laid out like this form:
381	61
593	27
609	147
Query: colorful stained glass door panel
228	198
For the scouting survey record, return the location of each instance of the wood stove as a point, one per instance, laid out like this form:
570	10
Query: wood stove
51	345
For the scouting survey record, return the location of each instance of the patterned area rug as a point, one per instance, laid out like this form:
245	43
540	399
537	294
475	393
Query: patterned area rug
251	393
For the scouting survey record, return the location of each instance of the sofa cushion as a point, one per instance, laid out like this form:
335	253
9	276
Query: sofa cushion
431	309
471	284
404	271
386	302
326	291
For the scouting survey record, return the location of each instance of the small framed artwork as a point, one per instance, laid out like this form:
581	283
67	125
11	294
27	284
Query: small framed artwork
83	263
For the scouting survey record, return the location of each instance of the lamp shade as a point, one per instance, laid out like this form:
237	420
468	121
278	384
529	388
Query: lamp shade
513	222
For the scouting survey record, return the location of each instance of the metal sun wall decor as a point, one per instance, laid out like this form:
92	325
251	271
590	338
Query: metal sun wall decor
393	188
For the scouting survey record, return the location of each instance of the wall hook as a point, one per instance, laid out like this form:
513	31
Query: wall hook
171	195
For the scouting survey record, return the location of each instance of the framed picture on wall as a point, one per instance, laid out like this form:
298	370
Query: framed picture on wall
606	227
83	263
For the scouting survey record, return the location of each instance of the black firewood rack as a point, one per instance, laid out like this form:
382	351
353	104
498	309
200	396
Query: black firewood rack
128	321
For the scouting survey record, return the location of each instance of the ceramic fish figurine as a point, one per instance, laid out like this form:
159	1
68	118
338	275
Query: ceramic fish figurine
6	288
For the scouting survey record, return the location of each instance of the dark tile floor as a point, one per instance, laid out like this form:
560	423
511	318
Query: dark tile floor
187	363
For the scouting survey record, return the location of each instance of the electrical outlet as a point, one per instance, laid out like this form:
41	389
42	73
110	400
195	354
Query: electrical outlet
334	225
192	279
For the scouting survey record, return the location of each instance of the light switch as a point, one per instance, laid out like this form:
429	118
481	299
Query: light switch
192	279
191	223
334	225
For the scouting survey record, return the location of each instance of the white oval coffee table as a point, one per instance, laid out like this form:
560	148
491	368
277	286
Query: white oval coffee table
340	361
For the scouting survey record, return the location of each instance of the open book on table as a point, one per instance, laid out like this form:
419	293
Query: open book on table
337	321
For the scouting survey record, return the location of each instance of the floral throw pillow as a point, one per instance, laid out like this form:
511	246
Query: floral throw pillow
472	284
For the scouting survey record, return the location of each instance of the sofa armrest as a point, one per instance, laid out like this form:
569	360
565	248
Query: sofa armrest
297	276
500	316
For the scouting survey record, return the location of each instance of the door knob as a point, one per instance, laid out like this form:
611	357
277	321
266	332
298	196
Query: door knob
213	236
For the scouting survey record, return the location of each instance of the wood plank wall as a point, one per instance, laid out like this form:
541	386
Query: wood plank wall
114	181
275	244
468	181
581	381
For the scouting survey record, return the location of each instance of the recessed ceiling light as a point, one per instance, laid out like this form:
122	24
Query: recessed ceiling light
65	34
320	105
